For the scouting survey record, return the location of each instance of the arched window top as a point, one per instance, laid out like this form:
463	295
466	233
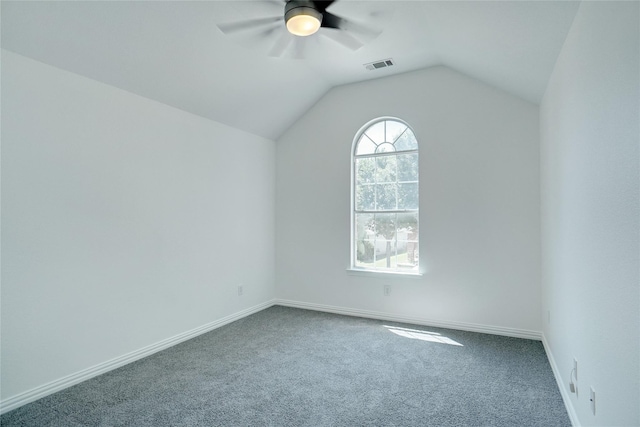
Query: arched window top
386	135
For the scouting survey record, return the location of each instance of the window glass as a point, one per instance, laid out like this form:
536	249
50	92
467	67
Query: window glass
376	132
394	130
406	141
366	146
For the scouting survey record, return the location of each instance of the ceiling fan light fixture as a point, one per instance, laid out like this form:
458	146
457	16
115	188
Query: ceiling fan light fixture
302	18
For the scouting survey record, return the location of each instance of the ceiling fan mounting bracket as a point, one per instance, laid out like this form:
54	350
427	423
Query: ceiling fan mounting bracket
291	5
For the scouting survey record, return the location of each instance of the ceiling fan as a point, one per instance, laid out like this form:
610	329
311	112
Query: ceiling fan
303	18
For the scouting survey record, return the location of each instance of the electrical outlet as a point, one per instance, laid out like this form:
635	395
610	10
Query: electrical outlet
240	290
387	290
592	399
573	380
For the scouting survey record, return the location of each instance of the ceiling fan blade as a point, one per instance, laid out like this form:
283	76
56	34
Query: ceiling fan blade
363	31
275	3
329	20
323	5
280	45
232	27
268	32
298	48
344	38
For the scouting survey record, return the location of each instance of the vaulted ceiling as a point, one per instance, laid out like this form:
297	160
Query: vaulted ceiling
173	51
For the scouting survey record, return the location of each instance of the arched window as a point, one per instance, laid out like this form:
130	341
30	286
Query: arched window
384	198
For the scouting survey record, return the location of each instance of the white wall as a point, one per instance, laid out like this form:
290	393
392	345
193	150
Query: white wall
479	201
591	212
124	222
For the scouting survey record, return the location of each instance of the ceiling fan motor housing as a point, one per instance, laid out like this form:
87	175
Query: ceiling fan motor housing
295	8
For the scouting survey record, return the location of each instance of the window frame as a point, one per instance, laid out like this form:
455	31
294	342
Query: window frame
354	268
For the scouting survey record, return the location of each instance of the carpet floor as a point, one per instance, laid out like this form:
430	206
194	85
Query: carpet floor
291	367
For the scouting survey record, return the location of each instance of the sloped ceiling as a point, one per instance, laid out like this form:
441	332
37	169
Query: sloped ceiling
173	52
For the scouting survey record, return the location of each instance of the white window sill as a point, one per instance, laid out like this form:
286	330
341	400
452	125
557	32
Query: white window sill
379	273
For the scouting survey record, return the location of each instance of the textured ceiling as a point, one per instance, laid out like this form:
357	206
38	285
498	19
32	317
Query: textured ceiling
173	52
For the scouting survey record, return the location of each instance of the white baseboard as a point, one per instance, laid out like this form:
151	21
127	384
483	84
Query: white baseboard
566	397
471	327
62	383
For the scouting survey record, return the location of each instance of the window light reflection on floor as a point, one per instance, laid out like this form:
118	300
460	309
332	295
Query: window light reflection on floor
416	334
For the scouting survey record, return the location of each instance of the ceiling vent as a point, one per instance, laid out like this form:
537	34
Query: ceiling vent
379	64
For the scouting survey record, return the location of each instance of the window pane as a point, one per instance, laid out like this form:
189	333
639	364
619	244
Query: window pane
385	147
365	146
376	133
365	197
384	225
365	227
365	240
407	255
408	196
365	170
408	241
389	259
409	223
394	130
385	229
407	141
386	197
386	169
407	167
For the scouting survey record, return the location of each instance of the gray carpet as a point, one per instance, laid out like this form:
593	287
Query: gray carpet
291	367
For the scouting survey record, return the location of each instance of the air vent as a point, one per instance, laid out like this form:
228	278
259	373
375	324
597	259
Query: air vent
379	64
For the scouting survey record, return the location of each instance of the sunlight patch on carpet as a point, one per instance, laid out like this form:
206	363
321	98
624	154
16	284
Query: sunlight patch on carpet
416	334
